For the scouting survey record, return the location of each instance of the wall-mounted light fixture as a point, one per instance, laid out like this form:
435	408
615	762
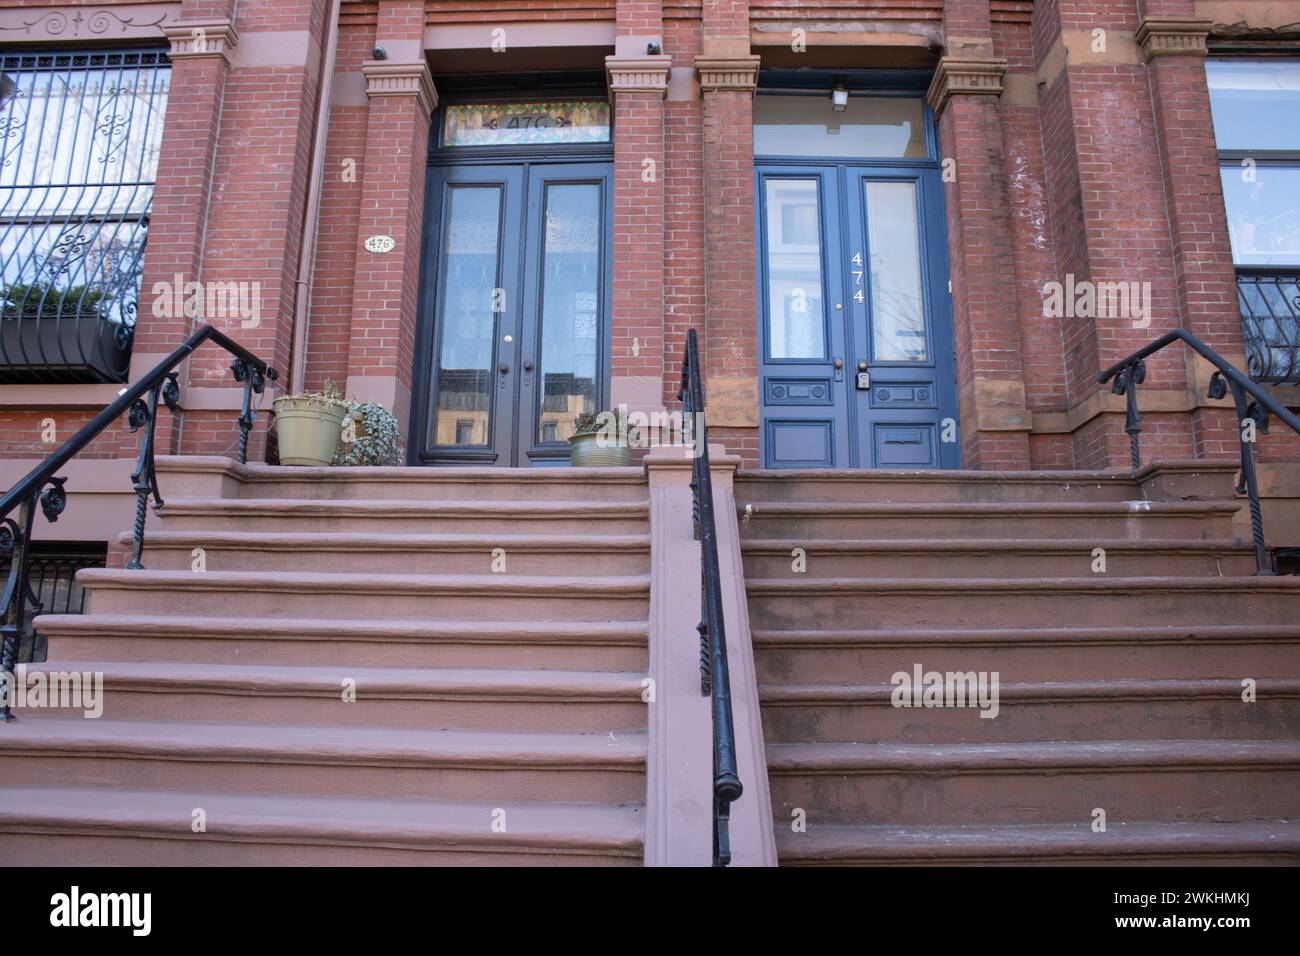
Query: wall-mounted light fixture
839	95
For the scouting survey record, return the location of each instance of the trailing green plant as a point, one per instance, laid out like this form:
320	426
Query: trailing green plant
376	437
29	300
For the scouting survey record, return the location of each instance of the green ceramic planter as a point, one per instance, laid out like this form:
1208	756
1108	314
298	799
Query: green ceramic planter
585	451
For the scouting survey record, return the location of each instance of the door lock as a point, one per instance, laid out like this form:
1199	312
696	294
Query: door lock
864	381
839	369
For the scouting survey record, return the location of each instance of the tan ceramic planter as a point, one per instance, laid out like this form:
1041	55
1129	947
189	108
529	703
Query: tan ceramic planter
585	451
308	429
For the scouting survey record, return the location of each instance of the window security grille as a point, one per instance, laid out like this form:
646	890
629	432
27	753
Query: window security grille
79	141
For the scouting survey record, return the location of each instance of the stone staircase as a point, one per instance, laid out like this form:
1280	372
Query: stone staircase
1118	691
498	714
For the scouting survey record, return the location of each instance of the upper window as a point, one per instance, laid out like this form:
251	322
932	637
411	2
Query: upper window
516	124
876	127
1256	108
79	140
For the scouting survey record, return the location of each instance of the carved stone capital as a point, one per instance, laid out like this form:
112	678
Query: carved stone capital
727	72
199	38
639	74
964	76
1174	36
386	78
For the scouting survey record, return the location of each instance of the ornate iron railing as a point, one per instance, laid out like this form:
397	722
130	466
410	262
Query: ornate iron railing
1269	300
715	677
52	577
1253	405
79	139
41	488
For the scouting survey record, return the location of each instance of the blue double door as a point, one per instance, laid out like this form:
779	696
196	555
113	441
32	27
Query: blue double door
857	367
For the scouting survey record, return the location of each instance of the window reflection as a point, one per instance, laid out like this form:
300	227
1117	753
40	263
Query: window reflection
796	322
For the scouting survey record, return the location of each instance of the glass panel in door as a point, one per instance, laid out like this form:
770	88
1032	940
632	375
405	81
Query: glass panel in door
796	316
897	300
570	319
470	275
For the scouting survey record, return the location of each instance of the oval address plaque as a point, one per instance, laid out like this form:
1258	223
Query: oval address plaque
380	244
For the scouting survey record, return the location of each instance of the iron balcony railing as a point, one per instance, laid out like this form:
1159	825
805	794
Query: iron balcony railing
42	488
1269	299
715	677
1254	408
80	133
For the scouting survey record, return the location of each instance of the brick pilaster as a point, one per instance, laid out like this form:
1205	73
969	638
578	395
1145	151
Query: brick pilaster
728	75
386	285
990	376
638	82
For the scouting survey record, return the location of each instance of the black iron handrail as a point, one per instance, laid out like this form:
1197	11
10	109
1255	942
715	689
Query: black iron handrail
1252	402
715	677
139	403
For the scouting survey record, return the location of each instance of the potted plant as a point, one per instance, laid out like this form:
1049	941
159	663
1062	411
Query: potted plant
371	436
600	440
307	426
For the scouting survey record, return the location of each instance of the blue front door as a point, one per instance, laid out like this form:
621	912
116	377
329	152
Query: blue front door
857	367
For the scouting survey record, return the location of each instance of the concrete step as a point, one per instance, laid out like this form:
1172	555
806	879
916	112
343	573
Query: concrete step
1073	710
1172	480
200	476
456	766
1099	601
398	553
1038	782
939	558
69	826
1271	842
1205	649
803	523
455	698
268	516
606	646
279	594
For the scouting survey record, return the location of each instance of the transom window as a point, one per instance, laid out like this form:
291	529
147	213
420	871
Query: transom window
517	124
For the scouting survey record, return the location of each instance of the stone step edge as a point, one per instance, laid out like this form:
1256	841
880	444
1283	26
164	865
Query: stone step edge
1032	636
1075	546
1029	842
388	683
357	747
1035	757
322	820
594	544
1044	691
613	633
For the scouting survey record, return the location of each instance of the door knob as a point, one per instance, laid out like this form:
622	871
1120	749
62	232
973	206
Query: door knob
839	363
862	366
528	366
503	368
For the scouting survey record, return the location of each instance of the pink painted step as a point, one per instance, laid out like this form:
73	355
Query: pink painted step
344	761
103	827
277	594
400	697
270	516
399	553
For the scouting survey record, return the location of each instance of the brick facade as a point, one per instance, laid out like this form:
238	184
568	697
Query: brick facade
1098	163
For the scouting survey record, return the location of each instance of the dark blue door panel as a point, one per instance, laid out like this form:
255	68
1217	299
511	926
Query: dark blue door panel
855	324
